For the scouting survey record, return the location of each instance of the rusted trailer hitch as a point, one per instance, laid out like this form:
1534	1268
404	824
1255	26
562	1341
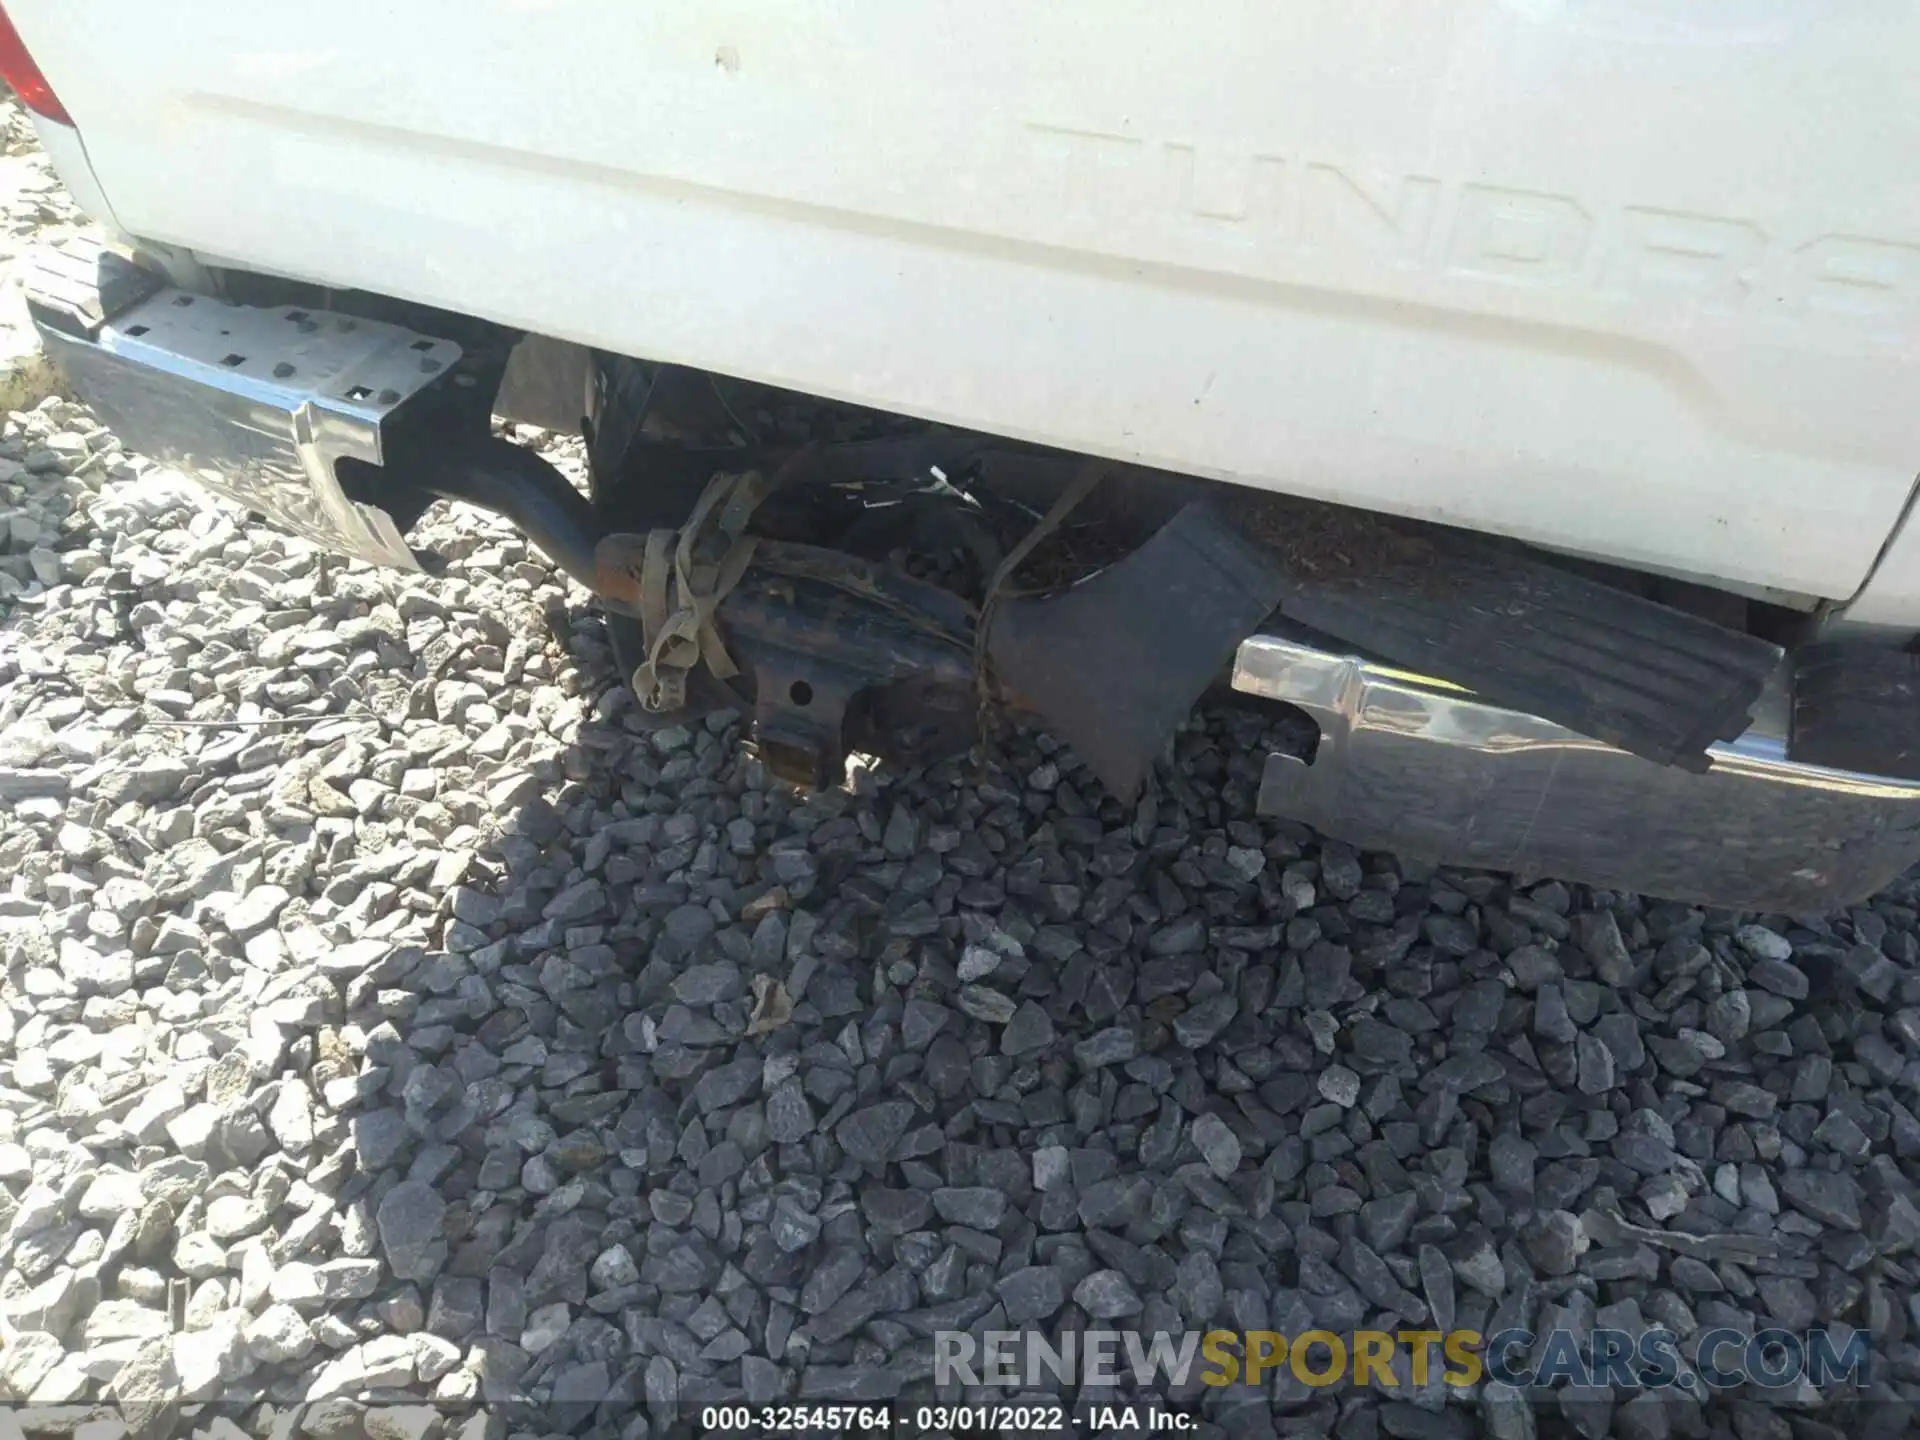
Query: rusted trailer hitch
839	653
816	633
850	654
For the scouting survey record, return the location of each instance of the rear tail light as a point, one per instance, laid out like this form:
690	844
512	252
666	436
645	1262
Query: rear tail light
17	66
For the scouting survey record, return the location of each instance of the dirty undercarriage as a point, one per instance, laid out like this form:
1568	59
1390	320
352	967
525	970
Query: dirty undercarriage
888	592
861	579
858	581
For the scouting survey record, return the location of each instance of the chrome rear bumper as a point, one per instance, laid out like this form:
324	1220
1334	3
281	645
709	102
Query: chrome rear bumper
1417	767
255	404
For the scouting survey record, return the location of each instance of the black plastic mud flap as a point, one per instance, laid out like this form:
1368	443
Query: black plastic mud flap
1114	665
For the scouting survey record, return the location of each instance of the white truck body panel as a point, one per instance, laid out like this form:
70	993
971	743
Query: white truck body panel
1636	278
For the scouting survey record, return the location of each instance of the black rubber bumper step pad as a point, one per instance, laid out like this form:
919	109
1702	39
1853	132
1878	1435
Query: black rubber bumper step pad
1519	632
79	287
1857	708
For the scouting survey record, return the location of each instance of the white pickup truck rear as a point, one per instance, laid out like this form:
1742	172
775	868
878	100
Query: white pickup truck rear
1635	280
1638	278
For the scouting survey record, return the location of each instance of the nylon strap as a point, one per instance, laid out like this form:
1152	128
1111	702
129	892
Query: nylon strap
681	588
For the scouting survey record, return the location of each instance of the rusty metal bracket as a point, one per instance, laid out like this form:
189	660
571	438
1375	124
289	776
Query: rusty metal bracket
818	631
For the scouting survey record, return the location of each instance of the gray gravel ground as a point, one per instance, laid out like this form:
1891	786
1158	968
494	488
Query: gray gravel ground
384	1017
